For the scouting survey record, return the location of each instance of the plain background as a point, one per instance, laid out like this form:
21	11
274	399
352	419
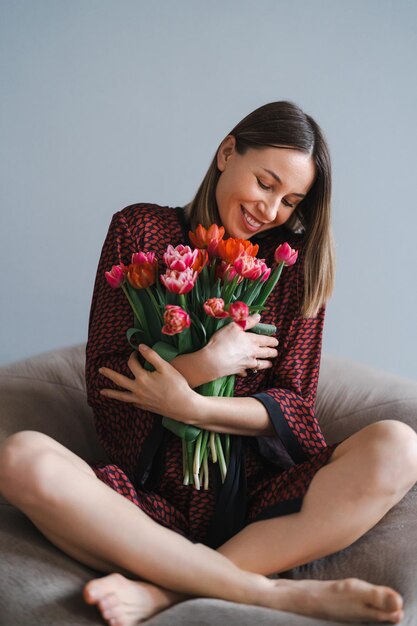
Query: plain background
105	103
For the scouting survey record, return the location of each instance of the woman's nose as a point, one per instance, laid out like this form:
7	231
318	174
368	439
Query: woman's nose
270	209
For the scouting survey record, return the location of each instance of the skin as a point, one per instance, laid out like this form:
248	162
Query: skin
150	567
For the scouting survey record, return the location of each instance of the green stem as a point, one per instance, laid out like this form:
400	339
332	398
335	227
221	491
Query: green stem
213	447
154	302
185	472
197	461
227	446
206	470
220	455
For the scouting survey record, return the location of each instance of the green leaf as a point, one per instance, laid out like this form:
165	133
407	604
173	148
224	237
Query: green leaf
185	431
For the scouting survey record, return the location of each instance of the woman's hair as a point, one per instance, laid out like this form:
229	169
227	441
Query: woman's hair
284	125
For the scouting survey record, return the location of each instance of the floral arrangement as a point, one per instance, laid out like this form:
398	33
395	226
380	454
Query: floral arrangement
177	311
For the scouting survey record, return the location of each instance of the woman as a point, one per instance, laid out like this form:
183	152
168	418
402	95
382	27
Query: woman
289	498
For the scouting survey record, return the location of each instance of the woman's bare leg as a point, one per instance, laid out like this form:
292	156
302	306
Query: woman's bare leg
339	507
366	476
76	520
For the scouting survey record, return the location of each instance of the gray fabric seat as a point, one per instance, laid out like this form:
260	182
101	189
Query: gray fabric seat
41	586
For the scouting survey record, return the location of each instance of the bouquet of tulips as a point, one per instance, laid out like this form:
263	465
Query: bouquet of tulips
177	311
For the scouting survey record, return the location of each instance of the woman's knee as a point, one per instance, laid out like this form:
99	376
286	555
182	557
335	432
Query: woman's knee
392	449
27	464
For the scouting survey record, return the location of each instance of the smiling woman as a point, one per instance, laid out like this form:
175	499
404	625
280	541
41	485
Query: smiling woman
289	498
251	197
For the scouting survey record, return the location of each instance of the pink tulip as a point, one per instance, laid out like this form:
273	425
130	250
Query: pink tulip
179	282
140	258
285	254
180	258
116	276
250	267
226	272
176	320
215	308
239	312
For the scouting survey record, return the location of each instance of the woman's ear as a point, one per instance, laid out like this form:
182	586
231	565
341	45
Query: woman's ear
225	151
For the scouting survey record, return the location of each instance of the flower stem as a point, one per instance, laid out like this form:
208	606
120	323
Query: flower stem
213	447
220	455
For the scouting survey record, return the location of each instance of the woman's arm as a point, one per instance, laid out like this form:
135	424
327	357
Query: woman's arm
166	392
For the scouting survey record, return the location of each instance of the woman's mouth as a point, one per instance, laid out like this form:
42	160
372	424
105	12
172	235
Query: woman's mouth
250	222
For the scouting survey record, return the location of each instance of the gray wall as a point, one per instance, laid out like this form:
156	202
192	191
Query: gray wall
106	103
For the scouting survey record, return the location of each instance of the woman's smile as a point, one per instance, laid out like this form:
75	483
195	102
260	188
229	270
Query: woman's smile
249	221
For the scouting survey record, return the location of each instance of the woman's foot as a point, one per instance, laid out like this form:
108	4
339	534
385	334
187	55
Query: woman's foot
350	600
125	602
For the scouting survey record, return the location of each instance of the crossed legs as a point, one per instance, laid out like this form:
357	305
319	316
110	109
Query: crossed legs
367	475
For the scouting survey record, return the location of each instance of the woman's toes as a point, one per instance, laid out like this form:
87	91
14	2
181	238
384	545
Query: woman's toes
96	589
387	600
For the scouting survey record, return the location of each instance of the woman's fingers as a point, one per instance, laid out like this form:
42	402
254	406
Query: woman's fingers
152	357
266	353
122	396
118	379
252	320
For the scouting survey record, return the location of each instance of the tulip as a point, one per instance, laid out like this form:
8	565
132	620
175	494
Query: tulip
239	312
215	308
176	320
180	258
207	239
230	249
201	260
142	275
251	267
226	272
116	276
138	258
179	282
285	254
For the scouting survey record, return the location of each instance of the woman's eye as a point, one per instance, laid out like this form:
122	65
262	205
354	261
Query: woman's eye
288	204
262	185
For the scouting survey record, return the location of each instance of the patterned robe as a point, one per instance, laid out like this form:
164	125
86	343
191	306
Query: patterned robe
268	476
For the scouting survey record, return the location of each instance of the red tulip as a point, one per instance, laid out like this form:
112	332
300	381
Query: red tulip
239	312
176	320
285	254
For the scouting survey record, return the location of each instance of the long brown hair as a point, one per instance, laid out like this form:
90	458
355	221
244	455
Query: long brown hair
283	124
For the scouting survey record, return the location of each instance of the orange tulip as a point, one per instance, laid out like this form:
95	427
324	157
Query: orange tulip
207	239
230	249
142	275
200	261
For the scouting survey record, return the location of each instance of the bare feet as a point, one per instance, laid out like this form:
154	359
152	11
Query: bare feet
350	600
125	602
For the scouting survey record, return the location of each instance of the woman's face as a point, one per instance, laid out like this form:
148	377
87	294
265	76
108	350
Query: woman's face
260	189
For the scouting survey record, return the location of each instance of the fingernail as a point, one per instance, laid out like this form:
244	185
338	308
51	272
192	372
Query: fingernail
100	369
143	347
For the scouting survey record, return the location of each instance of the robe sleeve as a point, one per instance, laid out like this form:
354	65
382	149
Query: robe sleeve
290	396
121	428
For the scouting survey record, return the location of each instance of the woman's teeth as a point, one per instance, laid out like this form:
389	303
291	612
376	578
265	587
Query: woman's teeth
250	219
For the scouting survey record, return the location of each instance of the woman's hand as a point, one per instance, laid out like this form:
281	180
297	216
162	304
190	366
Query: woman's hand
232	350
164	391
